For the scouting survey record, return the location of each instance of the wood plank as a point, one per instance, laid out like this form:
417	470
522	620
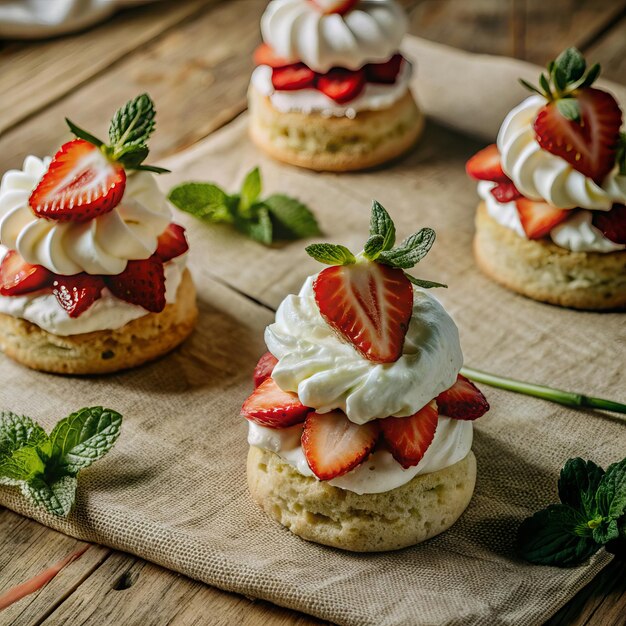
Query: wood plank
197	88
127	590
27	549
57	66
609	51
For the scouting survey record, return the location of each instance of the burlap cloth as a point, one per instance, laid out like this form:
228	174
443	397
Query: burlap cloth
173	490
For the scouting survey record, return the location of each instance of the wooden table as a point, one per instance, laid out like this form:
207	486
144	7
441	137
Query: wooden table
193	57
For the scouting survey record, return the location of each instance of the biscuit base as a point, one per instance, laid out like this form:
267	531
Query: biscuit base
543	271
316	511
106	351
335	144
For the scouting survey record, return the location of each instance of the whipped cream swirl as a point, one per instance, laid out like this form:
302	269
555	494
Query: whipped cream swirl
328	373
103	245
298	30
541	175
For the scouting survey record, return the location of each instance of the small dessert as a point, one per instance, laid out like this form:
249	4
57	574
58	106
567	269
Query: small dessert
551	223
331	89
360	425
92	268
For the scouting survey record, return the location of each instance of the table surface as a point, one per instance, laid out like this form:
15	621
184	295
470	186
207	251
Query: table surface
194	58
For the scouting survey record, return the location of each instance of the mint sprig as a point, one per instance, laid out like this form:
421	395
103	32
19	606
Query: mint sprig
45	467
592	514
275	218
129	132
567	73
380	247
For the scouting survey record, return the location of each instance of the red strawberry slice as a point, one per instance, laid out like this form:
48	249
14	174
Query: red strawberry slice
539	218
141	283
264	368
272	407
463	401
77	293
293	77
264	55
342	85
612	223
486	165
80	184
172	243
588	145
333	445
369	305
408	438
505	192
18	277
336	6
385	73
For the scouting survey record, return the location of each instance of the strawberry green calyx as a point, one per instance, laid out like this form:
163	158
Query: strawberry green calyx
129	132
380	248
566	74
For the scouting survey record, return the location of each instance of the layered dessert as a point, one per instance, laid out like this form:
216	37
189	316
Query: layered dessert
360	425
331	88
93	274
551	223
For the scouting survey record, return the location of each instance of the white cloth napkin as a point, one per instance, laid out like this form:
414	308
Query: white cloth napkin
28	19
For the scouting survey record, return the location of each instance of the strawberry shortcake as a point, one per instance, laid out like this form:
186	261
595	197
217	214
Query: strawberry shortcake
92	269
331	88
551	223
360	425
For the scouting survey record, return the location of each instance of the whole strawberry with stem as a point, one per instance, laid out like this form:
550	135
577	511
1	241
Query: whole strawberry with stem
368	298
579	123
86	177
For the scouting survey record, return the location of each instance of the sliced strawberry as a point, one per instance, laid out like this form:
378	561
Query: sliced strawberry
264	55
264	368
336	6
539	218
342	85
612	223
18	277
385	73
172	243
408	438
80	184
333	445
141	283
463	401
272	407
588	145
293	77
486	165
368	304
505	192
77	293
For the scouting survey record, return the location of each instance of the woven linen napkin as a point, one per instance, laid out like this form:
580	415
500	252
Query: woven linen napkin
173	490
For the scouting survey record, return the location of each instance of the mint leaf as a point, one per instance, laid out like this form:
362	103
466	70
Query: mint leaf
526	84
56	497
259	228
557	535
17	431
569	109
83	134
592	76
331	254
578	484
82	438
382	224
133	123
373	247
251	189
411	251
571	65
606	531
291	218
611	493
203	200
424	284
23	464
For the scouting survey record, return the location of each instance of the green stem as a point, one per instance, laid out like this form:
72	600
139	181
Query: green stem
568	398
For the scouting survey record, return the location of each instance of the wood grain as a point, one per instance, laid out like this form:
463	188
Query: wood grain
609	52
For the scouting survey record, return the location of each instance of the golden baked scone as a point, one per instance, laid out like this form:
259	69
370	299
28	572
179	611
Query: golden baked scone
552	221
424	507
331	91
